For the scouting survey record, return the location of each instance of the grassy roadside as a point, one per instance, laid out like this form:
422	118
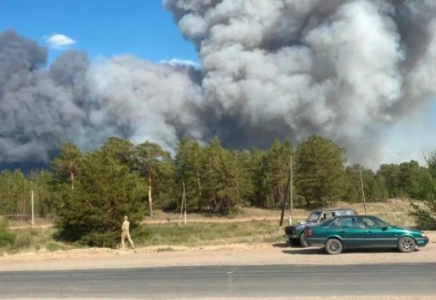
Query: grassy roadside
205	234
258	226
393	212
191	235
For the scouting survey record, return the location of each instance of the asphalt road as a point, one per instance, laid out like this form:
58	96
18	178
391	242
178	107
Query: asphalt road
223	281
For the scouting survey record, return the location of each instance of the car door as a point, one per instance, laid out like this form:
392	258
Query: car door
351	232
377	235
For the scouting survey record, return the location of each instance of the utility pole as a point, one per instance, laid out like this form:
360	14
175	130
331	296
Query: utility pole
363	191
291	205
284	197
183	208
33	216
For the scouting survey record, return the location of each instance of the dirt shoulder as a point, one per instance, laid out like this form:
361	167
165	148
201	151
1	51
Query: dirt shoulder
299	298
236	254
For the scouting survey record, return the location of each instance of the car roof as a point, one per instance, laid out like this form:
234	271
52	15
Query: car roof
360	216
333	209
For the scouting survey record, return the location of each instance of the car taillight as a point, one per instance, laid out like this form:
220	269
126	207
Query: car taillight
309	232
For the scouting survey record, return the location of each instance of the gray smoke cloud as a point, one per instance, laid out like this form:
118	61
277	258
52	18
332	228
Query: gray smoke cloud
74	100
348	70
291	68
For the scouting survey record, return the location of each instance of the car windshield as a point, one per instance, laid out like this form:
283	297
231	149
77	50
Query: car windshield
313	217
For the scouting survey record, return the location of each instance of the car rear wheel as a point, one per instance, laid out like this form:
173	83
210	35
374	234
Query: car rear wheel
294	242
303	241
406	245
333	246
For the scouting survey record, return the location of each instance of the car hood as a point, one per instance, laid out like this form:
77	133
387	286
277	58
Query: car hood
407	228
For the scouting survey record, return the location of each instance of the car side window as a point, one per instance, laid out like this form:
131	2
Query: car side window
349	222
377	223
329	215
368	223
335	223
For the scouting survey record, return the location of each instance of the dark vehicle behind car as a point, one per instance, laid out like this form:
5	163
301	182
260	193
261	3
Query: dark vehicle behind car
295	233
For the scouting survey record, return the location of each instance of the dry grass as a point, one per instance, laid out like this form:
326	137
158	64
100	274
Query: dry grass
204	234
395	213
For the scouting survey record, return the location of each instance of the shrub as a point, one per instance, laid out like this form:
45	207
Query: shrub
52	246
7	238
425	218
23	241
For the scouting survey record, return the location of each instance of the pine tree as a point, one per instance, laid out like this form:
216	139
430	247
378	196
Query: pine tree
190	164
121	150
353	189
213	174
66	164
277	168
320	171
110	191
149	158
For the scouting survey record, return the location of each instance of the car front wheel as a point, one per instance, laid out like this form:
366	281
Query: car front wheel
406	245
333	246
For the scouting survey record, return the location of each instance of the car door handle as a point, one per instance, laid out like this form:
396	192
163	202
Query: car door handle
368	232
341	231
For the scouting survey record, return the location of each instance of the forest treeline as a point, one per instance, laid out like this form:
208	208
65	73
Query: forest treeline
120	178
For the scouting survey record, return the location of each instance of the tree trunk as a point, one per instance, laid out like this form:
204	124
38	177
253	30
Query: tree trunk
150	200
284	199
237	192
199	191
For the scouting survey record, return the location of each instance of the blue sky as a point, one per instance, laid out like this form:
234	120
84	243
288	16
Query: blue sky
139	27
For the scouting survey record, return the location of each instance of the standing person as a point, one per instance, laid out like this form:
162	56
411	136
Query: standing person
125	233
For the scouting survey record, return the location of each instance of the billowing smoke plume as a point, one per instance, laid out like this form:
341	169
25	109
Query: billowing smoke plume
344	69
72	101
286	68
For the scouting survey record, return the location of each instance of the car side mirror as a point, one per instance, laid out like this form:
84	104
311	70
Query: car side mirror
385	228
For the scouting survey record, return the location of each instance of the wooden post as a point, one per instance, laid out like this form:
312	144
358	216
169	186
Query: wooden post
284	197
183	207
33	215
291	205
363	191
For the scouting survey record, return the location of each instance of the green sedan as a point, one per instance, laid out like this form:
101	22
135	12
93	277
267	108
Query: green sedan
355	232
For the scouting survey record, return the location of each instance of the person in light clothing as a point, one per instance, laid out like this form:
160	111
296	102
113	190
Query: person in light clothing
125	233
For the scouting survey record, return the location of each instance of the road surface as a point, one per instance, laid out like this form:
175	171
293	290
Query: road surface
223	281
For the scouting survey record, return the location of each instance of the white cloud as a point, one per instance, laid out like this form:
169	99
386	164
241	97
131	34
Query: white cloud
181	62
58	41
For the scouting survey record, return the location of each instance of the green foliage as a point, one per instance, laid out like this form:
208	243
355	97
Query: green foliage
156	166
431	161
14	193
89	194
276	168
23	241
425	214
373	188
7	238
54	246
121	150
198	234
190	169
105	192
320	171
66	164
